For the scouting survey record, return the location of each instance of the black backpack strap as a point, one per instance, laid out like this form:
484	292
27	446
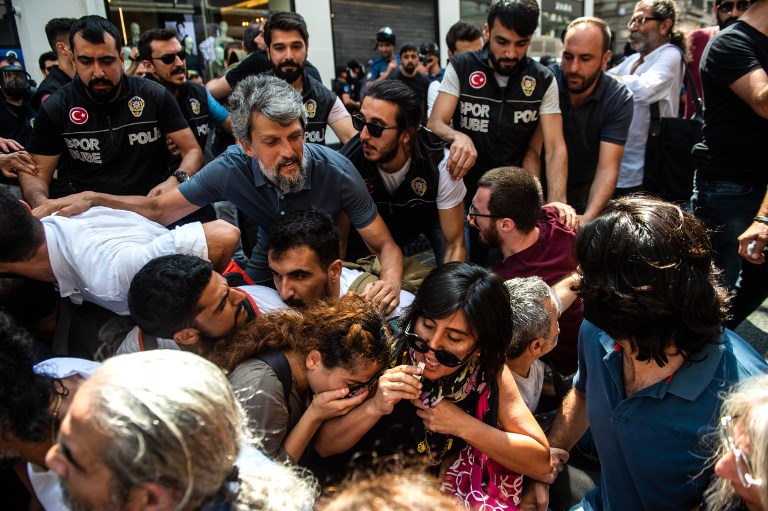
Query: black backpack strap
149	342
279	364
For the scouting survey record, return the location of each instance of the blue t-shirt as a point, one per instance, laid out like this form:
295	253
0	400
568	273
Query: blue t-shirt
653	449
377	67
333	185
217	113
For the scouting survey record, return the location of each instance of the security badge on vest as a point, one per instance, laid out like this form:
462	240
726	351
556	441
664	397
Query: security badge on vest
475	116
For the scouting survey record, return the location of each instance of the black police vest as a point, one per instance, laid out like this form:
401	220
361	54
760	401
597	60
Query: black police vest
412	209
500	121
318	101
55	80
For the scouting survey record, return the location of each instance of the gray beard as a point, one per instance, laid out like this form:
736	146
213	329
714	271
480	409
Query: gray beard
282	183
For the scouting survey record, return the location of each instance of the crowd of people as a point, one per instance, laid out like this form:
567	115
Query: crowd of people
203	306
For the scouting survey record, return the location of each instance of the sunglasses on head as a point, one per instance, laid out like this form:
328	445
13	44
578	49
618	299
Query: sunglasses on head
444	357
170	58
376	130
741	5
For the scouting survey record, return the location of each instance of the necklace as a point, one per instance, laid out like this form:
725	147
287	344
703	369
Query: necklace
55	421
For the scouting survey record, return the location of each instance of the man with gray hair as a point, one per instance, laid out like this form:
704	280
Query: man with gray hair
268	174
535	310
164	427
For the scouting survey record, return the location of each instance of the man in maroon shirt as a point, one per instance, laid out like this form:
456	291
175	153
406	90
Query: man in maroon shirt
533	240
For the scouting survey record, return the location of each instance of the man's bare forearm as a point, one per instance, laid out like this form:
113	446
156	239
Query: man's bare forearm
571	421
34	188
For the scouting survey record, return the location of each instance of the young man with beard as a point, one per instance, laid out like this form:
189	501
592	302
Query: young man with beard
57	32
654	75
409	74
404	168
726	12
597	111
163	56
106	131
508	213
270	173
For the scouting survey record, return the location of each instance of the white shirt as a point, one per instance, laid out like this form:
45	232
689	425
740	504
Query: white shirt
530	386
266	298
349	275
658	78
94	255
45	482
432	92
450	192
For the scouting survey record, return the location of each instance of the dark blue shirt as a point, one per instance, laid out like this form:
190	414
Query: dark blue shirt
653	453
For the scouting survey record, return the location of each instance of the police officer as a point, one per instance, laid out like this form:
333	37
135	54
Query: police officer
429	53
382	67
57	31
106	131
16	116
287	41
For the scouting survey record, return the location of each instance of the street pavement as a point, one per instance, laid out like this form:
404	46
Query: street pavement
755	329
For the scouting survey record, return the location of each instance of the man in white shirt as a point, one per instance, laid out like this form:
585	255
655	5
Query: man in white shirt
303	255
654	75
94	255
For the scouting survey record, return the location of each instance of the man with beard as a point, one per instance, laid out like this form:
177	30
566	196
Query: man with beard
404	168
654	75
105	131
180	302
726	12
409	74
491	102
270	173
597	111
533	240
306	265
163	57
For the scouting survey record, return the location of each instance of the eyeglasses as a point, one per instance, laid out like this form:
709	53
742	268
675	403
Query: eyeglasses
474	214
170	58
376	130
741	5
445	357
356	390
641	21
743	465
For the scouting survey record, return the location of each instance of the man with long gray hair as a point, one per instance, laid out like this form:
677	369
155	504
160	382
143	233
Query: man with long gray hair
268	174
163	430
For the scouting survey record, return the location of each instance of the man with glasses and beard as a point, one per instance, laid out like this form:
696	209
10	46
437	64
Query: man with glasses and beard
597	111
726	12
106	131
268	174
491	102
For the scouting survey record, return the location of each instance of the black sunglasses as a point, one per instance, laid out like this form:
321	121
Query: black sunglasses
741	5
445	357
376	130
170	58
356	390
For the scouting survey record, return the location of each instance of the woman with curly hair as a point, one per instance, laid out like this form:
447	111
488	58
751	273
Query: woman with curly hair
334	352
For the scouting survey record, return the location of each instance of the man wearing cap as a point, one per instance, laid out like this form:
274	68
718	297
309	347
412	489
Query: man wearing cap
382	67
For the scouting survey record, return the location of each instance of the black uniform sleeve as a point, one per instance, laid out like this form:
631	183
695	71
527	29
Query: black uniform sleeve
252	65
46	135
171	118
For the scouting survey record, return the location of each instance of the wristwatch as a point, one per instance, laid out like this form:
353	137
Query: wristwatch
181	176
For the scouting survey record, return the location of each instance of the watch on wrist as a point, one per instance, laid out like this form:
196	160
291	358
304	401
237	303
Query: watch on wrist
181	176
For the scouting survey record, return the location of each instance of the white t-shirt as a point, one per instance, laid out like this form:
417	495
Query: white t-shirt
349	275
450	192
266	298
95	255
530	387
432	92
45	482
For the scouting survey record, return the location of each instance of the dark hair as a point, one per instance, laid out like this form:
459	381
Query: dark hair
599	23
462	31
648	278
522	16
285	21
249	37
476	292
346	332
57	30
341	68
667	10
92	29
311	228
154	34
409	107
29	301
515	194
408	47
26	395
164	294
44	57
21	234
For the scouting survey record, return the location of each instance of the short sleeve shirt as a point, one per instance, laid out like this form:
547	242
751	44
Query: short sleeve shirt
333	185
